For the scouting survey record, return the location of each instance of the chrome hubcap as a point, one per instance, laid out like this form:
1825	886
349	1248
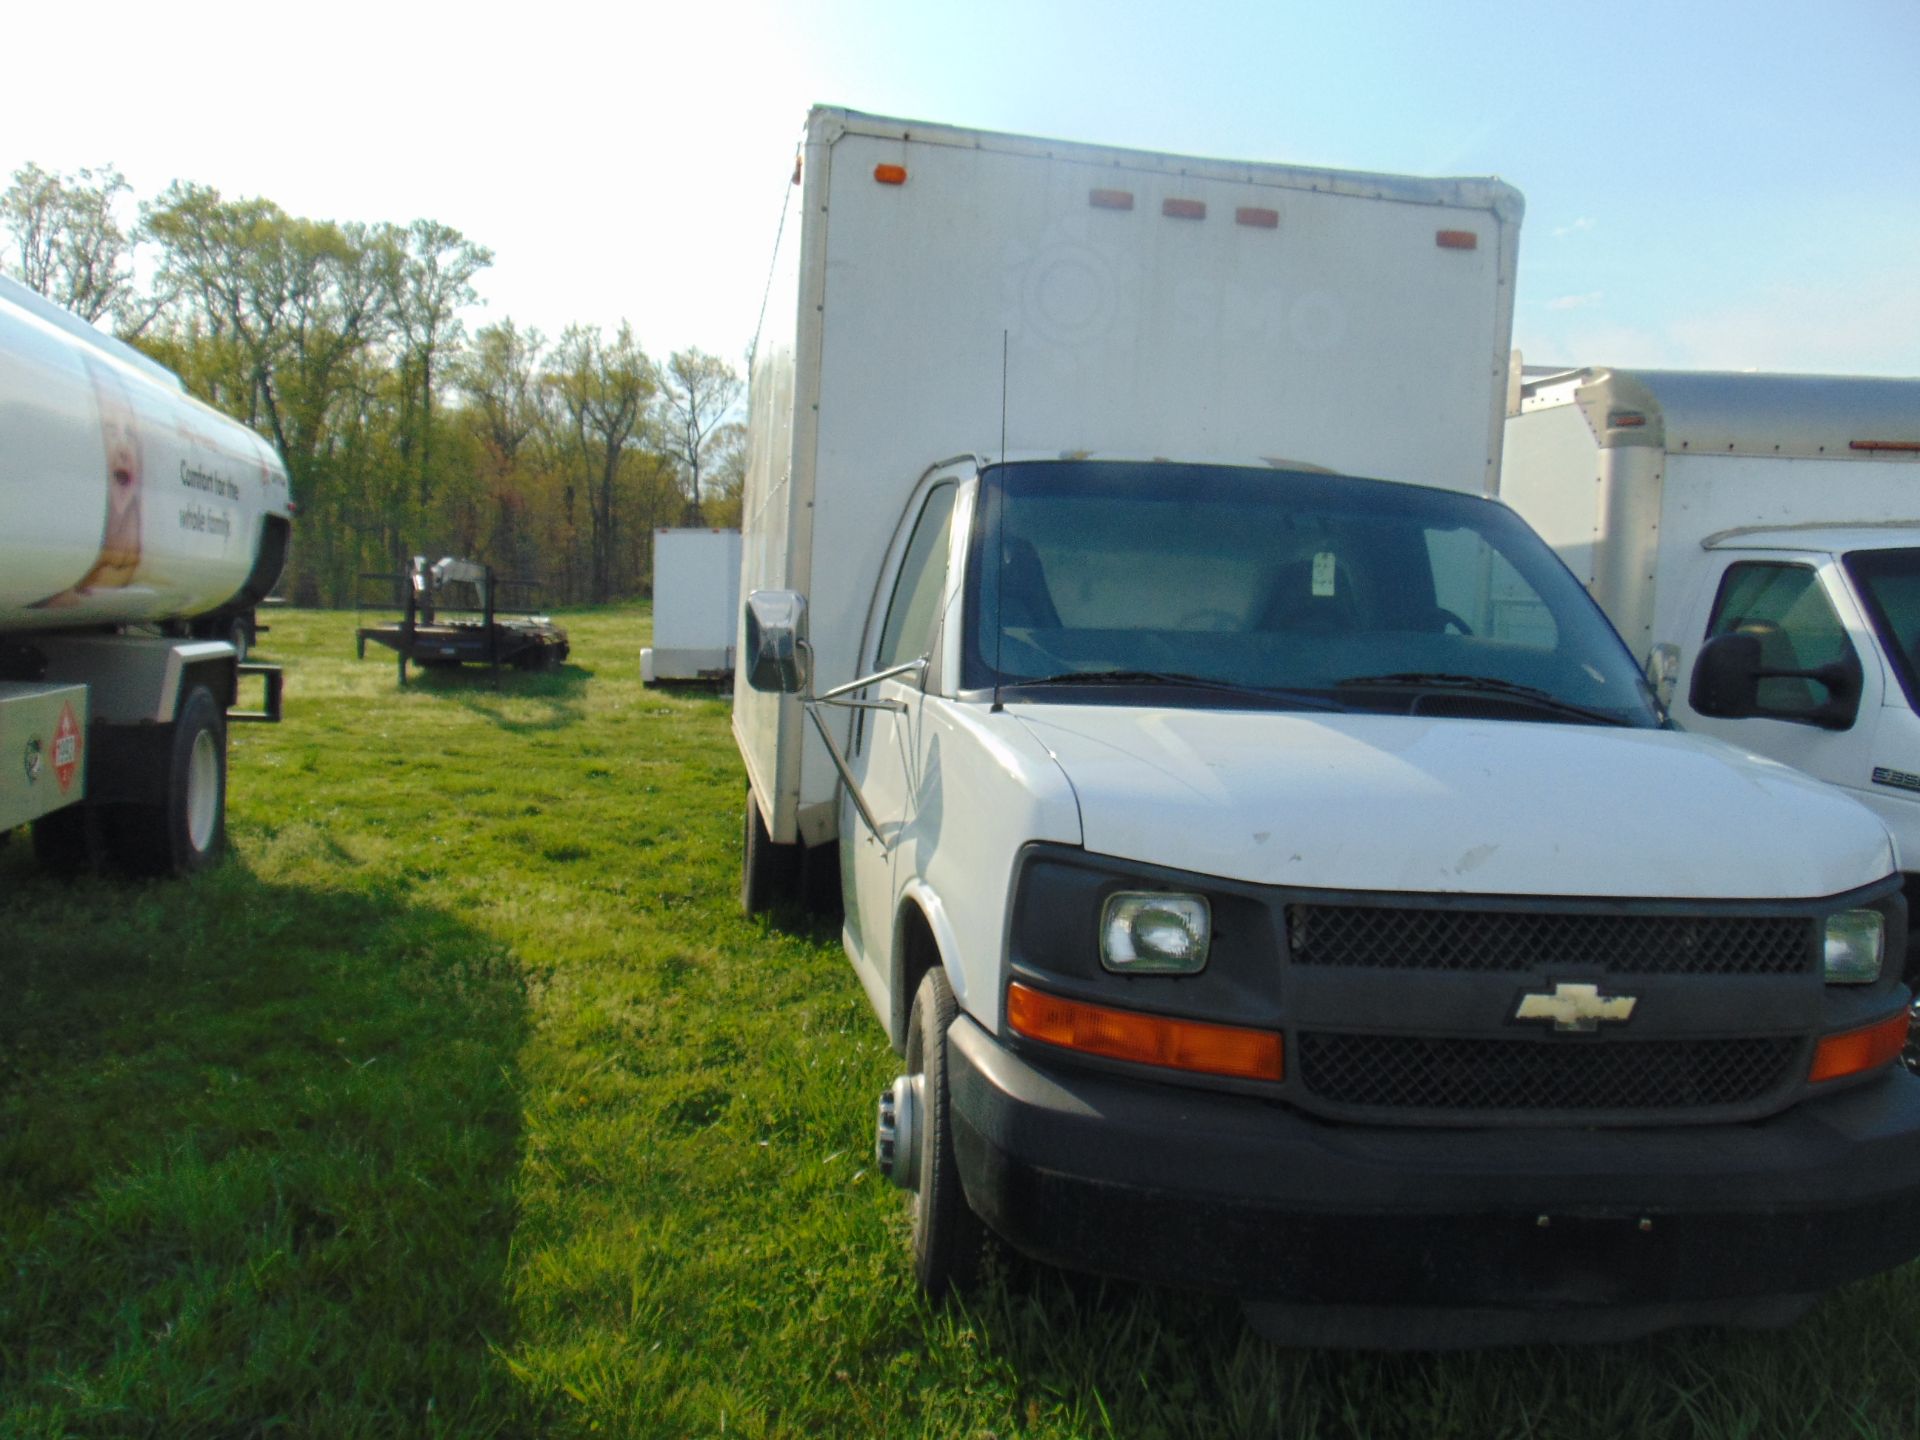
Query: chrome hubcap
203	791
896	1134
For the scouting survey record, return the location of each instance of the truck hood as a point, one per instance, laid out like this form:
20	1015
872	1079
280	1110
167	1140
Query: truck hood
1388	802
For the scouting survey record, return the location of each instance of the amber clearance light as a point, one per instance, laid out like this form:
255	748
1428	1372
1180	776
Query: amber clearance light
1147	1039
1868	1048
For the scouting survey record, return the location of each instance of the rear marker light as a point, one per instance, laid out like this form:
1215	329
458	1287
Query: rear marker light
1110	199
1256	217
1184	209
1145	1039
890	174
1625	420
1853	1051
1456	239
1905	445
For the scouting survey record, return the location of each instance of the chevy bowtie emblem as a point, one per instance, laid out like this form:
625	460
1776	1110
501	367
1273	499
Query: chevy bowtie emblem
1575	1009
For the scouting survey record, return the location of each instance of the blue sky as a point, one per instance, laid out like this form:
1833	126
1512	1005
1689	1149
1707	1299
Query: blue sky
1713	185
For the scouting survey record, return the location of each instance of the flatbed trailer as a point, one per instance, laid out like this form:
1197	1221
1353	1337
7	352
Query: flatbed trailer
476	634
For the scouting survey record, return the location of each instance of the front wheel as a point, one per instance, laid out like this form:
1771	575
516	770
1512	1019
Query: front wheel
947	1237
186	831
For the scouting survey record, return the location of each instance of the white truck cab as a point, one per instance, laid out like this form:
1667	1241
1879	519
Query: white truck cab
1781	508
1276	874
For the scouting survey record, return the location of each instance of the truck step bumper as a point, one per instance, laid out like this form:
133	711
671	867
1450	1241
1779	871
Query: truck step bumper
273	681
1192	1188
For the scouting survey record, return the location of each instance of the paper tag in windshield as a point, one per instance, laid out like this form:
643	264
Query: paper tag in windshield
1323	573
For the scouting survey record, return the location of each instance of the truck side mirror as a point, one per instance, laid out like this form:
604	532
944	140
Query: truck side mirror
1726	684
777	641
1726	677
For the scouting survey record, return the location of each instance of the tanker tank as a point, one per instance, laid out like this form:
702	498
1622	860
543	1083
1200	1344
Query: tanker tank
122	498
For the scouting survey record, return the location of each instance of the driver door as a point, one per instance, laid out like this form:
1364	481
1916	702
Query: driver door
883	735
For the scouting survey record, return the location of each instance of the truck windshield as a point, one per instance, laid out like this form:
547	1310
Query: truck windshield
1222	586
1889	582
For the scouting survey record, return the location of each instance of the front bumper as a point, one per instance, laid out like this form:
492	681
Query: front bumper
1187	1187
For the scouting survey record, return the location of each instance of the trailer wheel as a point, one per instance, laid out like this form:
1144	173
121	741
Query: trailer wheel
186	831
766	869
947	1237
240	636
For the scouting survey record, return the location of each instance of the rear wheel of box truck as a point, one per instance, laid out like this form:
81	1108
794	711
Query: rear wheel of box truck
186	829
767	870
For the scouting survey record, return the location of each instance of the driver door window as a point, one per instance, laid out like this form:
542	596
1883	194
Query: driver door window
1784	608
908	629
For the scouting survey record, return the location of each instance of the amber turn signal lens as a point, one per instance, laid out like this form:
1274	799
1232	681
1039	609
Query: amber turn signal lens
1456	239
1145	1039
1853	1051
890	174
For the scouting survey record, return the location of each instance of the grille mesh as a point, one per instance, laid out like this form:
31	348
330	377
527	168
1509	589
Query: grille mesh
1402	1072
1416	939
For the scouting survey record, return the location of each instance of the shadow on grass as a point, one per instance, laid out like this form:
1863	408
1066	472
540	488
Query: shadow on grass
1138	1359
251	1179
503	699
694	689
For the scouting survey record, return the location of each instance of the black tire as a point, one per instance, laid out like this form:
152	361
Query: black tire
766	869
186	832
240	636
946	1236
68	842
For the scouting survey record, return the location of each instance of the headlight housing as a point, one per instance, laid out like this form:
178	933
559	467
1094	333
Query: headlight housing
1144	932
1855	947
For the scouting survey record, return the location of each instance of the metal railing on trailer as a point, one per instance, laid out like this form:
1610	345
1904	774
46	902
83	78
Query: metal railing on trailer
468	591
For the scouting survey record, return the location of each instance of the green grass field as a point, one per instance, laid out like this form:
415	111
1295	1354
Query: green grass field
461	1101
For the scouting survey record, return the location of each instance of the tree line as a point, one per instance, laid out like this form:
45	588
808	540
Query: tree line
346	345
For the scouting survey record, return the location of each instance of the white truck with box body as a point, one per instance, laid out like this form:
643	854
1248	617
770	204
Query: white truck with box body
1267	859
1756	540
696	605
132	518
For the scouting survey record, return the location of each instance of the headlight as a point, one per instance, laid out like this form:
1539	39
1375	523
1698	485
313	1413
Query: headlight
1147	933
1856	941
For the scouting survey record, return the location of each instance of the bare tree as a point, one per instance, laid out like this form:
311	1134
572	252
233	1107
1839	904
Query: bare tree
68	243
697	392
603	388
427	273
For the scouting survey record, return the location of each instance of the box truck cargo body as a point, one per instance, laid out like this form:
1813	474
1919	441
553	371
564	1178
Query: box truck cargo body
1120	303
1268	861
1782	508
133	518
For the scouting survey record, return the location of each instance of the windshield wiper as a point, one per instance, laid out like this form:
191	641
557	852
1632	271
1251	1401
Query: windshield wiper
1481	685
1299	698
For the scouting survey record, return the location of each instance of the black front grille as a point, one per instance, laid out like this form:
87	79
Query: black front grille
1386	937
1405	1072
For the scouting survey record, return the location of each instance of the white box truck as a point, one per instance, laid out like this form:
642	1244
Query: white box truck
1756	540
1268	861
696	605
132	518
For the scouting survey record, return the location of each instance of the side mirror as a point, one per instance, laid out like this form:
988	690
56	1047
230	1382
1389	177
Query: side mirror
777	641
1727	676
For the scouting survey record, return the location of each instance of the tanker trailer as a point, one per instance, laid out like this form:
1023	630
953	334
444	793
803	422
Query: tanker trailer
131	515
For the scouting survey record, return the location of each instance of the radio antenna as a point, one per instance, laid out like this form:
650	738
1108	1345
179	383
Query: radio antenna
1000	542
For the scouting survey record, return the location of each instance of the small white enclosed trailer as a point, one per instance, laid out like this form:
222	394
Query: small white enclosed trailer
696	605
